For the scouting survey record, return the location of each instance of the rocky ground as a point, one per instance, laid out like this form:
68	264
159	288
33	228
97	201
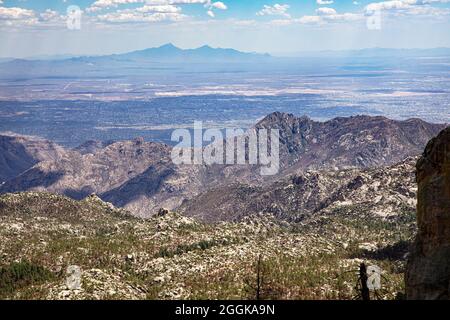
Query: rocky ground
379	192
171	256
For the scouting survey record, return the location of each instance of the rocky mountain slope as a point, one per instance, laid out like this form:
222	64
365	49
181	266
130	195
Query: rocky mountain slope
140	176
20	153
79	175
310	229
384	192
428	270
359	141
92	146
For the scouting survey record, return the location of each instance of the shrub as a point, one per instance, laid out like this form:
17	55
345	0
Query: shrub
22	274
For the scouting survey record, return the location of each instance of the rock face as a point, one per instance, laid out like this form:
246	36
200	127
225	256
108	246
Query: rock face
358	141
80	175
428	269
20	153
93	146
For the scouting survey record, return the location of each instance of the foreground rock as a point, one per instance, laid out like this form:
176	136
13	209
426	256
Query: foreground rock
428	270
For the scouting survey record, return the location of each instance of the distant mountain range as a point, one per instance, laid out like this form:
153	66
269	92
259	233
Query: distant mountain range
171	53
371	53
169	58
165	53
131	63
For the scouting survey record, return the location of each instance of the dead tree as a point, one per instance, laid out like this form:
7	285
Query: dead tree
255	284
365	293
259	278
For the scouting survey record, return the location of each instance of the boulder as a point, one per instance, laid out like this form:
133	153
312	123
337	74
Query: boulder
163	212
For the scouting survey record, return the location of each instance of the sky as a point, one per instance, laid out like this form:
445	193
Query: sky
88	27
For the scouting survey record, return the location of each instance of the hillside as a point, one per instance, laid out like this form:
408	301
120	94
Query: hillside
358	141
310	231
385	192
141	177
174	257
20	153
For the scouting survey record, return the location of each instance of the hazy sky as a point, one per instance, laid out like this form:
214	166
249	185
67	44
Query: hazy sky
37	27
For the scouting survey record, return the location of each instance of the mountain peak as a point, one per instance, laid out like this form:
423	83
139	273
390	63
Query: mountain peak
278	118
168	46
170	53
205	47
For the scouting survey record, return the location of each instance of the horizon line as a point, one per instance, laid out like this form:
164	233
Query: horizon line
273	53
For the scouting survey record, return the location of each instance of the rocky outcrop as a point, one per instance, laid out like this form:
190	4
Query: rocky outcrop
93	146
428	269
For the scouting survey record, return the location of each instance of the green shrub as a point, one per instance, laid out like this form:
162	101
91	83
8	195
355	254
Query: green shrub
22	274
